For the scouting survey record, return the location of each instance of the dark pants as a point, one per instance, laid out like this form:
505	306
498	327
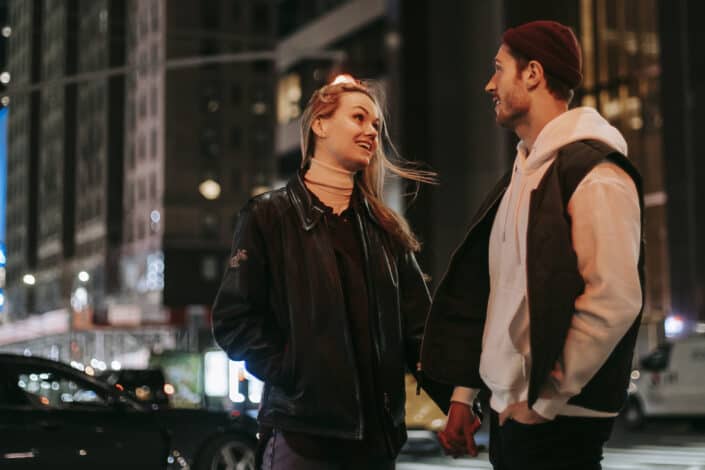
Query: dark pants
566	443
279	456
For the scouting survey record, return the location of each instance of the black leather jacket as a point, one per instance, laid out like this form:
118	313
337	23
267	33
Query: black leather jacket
281	309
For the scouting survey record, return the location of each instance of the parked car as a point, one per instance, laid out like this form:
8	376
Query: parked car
670	382
54	416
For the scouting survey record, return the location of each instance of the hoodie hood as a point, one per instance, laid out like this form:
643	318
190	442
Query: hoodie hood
576	124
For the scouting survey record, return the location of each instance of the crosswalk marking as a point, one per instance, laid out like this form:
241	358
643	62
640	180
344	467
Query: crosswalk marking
687	457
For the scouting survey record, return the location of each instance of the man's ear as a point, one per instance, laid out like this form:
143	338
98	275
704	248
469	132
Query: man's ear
319	128
533	74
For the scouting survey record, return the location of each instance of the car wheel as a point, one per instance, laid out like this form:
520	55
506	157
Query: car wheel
229	453
633	415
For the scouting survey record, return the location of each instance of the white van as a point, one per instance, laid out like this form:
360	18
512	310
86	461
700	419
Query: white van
670	382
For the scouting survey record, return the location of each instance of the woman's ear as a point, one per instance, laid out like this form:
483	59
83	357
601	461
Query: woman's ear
319	128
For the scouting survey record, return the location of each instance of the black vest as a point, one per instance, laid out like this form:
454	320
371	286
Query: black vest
453	338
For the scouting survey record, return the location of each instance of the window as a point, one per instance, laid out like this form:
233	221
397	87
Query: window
235	95
141	148
260	18
235	137
155	100
143	106
155	15
154	143
47	388
153	186
155	56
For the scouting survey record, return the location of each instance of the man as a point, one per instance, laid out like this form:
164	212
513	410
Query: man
542	300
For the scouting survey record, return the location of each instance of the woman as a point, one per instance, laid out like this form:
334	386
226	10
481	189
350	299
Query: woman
323	297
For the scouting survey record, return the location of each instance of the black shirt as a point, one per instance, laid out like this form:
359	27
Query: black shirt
347	246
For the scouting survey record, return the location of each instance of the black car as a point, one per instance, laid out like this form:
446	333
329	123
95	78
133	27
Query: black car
54	416
147	386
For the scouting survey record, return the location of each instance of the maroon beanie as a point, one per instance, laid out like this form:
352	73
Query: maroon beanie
553	45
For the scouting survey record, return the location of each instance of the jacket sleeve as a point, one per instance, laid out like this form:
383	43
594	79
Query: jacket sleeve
606	230
415	302
243	322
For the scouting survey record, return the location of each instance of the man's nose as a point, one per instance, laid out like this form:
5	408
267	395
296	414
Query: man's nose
489	88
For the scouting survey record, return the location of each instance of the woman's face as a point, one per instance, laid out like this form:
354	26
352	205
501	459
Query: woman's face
348	139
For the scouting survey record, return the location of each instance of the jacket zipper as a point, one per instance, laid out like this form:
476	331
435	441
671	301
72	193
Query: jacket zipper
373	336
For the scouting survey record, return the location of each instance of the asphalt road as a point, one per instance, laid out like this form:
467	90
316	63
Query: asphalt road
667	445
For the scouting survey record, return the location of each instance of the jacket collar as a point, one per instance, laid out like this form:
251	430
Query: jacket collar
310	210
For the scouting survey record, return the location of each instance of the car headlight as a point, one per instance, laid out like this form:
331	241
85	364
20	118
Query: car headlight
176	461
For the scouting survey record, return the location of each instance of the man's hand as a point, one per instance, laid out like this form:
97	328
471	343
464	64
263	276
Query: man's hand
458	438
521	413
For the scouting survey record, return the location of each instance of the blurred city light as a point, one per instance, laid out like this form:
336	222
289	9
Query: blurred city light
343	78
209	189
115	365
5	78
216	374
700	328
6	31
29	279
83	276
79	299
673	325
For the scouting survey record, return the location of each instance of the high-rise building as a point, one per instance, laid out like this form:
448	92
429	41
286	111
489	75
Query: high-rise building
199	142
682	76
131	154
22	158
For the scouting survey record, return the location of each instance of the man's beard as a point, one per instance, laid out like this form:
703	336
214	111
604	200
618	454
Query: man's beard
510	120
516	109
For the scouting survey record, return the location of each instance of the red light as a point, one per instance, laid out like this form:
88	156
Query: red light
235	413
120	387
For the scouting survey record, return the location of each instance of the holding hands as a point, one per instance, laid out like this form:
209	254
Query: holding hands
458	437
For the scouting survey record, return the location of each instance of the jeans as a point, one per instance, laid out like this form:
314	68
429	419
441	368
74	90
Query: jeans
566	443
279	456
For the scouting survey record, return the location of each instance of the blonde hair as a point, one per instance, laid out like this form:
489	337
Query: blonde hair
370	181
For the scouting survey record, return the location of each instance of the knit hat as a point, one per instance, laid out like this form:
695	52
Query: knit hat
553	45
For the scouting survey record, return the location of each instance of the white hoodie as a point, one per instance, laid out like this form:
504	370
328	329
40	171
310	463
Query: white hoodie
605	224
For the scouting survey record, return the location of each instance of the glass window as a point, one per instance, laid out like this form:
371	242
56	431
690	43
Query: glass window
46	388
154	143
155	15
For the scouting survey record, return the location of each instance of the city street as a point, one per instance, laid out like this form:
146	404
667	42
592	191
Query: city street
670	445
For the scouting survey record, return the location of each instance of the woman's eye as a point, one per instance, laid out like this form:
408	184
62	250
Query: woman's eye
359	117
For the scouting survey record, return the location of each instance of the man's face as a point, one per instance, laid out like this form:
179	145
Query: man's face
509	93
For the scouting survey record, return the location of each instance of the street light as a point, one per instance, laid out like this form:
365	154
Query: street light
209	189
